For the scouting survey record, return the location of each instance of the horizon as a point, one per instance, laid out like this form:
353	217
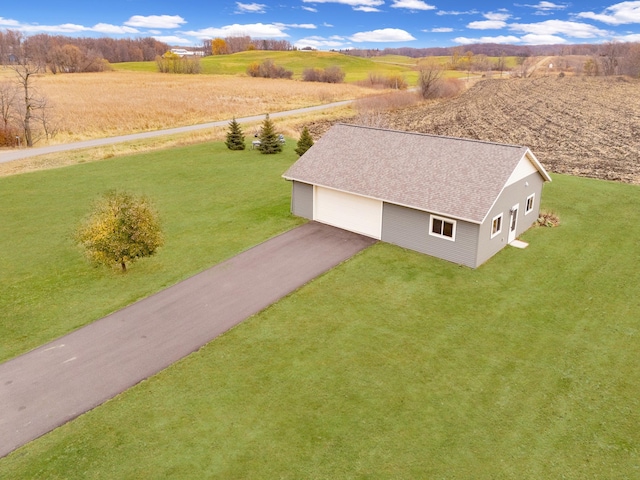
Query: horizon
336	24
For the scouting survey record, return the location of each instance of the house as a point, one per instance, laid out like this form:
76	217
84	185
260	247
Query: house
457	199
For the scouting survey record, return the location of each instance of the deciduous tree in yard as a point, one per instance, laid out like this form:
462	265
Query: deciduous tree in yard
121	229
269	140
235	137
305	142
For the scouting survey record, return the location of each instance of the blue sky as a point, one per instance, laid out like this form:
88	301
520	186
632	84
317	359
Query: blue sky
334	24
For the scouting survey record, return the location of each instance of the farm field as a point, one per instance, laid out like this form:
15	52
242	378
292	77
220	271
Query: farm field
96	105
578	125
393	365
582	126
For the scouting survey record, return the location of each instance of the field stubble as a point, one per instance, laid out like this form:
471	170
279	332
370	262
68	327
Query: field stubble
577	125
116	103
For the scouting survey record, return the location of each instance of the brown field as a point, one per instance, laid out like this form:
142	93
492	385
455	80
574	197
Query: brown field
116	103
582	126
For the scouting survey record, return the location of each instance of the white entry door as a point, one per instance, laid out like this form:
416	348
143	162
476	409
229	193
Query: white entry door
347	211
513	223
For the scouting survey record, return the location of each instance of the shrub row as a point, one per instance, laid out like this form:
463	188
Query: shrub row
328	75
268	69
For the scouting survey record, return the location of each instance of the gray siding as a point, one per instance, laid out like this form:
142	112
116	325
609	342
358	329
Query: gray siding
409	228
302	200
516	193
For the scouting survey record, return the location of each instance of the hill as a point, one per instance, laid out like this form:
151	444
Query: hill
577	125
356	68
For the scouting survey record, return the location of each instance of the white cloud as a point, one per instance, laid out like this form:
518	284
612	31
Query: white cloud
618	14
113	29
320	42
412	5
257	30
440	30
308	26
547	6
359	5
382	35
173	40
250	7
156	21
487	25
560	27
499	39
533	39
456	12
632	37
310	9
7	22
366	9
497	16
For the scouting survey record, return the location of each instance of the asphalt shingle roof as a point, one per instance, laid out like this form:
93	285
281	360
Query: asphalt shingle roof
450	176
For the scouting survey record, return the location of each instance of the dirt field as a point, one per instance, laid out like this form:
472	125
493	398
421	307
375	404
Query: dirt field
581	126
577	125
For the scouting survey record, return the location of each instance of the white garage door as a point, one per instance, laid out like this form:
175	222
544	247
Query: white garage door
350	212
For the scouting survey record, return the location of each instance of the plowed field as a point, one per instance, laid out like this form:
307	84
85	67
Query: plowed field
577	125
581	126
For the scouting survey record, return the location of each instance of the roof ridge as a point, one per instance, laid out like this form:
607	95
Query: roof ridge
421	134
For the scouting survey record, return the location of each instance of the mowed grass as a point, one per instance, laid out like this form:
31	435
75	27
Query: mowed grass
398	365
213	203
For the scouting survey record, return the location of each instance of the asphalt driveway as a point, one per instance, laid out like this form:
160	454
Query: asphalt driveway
59	381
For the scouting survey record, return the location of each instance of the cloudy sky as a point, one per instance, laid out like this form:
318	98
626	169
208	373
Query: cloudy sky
334	24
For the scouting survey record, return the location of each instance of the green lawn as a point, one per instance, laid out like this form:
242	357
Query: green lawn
213	204
398	365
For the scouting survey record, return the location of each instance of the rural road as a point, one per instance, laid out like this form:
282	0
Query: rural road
11	155
59	381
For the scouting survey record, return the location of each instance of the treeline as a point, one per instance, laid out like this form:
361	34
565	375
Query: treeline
488	49
227	45
71	54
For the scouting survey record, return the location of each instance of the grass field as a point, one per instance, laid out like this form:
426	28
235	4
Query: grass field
356	68
96	105
393	365
213	203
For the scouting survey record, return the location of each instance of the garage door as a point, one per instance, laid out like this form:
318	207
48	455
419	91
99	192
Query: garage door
350	212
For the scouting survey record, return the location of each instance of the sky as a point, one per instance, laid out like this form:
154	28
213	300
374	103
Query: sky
333	24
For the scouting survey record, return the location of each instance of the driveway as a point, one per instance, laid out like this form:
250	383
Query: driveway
59	381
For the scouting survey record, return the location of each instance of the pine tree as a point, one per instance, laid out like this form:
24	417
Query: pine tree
305	142
269	140
235	137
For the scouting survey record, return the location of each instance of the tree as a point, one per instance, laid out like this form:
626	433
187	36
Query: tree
121	229
219	46
26	72
305	142
269	140
429	77
235	137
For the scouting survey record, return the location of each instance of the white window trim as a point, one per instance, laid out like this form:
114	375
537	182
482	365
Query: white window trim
452	238
533	202
499	231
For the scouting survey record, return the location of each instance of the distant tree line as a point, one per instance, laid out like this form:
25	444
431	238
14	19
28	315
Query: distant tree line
227	45
71	54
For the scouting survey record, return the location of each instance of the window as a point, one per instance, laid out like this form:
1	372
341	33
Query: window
443	228
529	204
496	225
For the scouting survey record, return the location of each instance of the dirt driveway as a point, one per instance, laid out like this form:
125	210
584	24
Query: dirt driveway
59	381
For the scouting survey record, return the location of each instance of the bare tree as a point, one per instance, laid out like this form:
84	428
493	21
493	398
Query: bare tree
610	58
429	76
